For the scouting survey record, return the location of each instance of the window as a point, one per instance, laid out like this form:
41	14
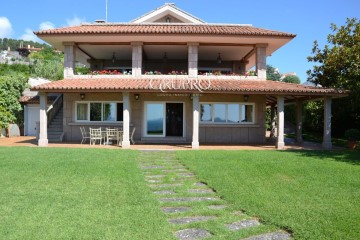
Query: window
227	113
99	111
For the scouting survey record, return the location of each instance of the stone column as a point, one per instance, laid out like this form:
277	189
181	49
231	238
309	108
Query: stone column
327	124
43	137
193	51
280	114
196	120
126	121
299	138
69	59
261	61
273	121
137	58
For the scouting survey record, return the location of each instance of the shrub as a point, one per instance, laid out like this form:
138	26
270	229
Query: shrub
352	134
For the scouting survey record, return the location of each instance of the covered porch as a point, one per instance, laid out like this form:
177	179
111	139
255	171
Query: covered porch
137	95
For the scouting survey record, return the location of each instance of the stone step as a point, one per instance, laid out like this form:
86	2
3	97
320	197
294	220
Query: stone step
186	220
192	234
175	209
189	199
243	224
271	236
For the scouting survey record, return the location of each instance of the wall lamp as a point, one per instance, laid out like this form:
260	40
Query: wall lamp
137	96
82	96
246	98
219	59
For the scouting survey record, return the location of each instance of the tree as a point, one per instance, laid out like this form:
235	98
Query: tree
272	73
292	79
11	87
47	64
338	65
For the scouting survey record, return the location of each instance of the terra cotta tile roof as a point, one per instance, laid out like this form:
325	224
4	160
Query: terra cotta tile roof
147	84
191	29
35	99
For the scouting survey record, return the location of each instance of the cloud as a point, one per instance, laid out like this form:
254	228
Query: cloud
46	25
5	27
75	21
29	36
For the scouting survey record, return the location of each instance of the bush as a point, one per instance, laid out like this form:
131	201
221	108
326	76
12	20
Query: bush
352	134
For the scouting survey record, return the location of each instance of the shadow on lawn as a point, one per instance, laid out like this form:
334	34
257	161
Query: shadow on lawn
352	157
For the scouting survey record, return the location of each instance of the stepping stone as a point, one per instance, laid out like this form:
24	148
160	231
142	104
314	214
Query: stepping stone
163	192
186	174
188	199
175	209
166	185
271	236
152	167
200	184
186	220
204	191
155	176
243	224
153	180
192	234
174	170
216	207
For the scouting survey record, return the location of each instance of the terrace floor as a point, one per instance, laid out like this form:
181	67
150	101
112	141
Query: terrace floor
290	145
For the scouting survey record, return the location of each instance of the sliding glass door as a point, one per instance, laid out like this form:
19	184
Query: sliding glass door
164	119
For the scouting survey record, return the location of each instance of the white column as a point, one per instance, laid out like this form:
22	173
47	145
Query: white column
137	58
299	138
43	137
69	59
327	124
193	51
273	121
126	121
261	61
196	117
280	114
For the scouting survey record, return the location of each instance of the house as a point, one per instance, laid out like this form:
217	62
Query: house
176	79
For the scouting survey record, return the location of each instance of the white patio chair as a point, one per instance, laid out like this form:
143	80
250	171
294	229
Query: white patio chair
112	134
85	135
95	134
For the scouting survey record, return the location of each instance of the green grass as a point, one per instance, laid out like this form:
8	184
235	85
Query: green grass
53	193
314	194
318	138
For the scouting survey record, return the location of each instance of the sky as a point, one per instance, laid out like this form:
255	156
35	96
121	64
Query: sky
309	20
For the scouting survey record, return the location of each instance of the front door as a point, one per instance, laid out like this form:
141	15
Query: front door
174	119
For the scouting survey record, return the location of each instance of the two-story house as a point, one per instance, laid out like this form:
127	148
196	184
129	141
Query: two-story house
175	78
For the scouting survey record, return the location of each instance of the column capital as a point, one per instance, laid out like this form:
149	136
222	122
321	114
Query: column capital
69	43
261	45
137	43
193	44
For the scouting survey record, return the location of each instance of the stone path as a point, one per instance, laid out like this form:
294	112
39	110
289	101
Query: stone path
193	208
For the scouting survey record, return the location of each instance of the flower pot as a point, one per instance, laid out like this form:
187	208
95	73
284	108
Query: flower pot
352	145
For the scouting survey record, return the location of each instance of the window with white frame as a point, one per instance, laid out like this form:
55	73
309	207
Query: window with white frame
227	113
99	111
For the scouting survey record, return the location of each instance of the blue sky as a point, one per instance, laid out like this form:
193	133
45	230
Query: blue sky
310	20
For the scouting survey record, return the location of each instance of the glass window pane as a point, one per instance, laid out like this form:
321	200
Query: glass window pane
233	113
119	112
220	113
81	111
247	113
95	111
109	112
205	113
155	119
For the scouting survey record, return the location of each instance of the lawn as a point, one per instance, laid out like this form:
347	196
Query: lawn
313	194
57	193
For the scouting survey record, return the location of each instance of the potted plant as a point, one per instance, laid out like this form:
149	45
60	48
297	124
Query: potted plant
353	136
